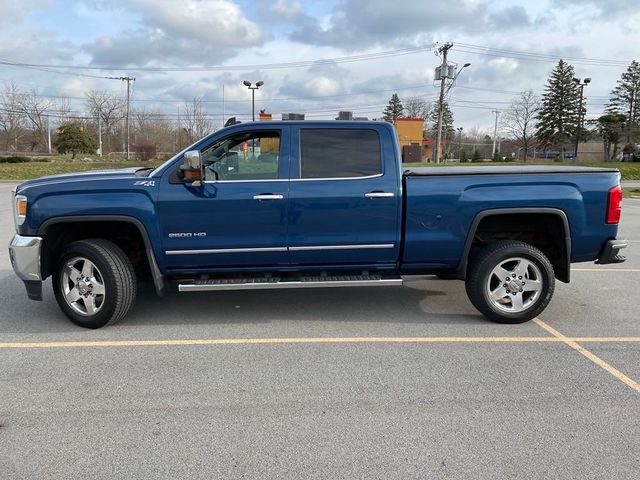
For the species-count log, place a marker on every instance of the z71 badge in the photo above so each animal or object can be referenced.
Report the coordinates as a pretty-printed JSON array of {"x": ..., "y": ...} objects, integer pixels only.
[{"x": 146, "y": 183}]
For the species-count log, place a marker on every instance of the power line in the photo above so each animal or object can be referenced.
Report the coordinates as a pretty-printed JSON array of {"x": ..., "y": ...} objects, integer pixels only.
[
  {"x": 263, "y": 66},
  {"x": 538, "y": 57}
]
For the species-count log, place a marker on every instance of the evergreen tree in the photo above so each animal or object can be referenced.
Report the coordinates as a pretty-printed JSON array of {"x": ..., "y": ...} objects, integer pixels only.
[
  {"x": 394, "y": 109},
  {"x": 447, "y": 121},
  {"x": 559, "y": 114},
  {"x": 609, "y": 127},
  {"x": 448, "y": 130},
  {"x": 72, "y": 138},
  {"x": 625, "y": 100}
]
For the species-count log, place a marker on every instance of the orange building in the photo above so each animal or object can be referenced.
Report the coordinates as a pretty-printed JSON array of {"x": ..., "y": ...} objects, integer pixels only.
[{"x": 410, "y": 135}]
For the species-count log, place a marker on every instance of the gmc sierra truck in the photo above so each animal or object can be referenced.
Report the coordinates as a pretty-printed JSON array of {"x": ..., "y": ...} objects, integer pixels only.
[{"x": 307, "y": 204}]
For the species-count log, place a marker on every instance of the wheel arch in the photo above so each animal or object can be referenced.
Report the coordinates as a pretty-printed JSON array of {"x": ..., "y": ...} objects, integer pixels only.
[
  {"x": 561, "y": 258},
  {"x": 57, "y": 224}
]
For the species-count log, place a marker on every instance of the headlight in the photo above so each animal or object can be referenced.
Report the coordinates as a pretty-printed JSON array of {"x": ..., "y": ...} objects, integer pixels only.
[{"x": 19, "y": 209}]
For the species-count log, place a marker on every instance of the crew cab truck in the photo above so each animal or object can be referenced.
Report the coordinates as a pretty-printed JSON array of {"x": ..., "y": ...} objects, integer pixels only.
[{"x": 310, "y": 204}]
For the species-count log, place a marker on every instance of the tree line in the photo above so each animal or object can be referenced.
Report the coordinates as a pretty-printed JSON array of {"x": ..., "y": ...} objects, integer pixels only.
[
  {"x": 28, "y": 120},
  {"x": 553, "y": 120}
]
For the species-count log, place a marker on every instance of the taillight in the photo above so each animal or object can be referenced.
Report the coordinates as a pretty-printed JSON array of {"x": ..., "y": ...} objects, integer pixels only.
[{"x": 614, "y": 206}]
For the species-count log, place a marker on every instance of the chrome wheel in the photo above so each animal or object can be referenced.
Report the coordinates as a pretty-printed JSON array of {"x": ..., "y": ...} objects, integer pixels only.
[
  {"x": 514, "y": 285},
  {"x": 82, "y": 286}
]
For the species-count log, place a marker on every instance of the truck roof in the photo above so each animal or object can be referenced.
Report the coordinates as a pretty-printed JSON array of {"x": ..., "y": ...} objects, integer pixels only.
[{"x": 311, "y": 123}]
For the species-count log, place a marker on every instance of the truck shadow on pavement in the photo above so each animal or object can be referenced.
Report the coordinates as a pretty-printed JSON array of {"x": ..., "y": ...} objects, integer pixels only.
[{"x": 419, "y": 301}]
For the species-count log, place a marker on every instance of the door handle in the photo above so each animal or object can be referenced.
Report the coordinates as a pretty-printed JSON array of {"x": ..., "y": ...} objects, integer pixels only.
[
  {"x": 268, "y": 196},
  {"x": 379, "y": 195}
]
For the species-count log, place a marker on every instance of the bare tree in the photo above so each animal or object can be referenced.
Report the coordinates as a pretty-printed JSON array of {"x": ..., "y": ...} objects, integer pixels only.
[
  {"x": 35, "y": 109},
  {"x": 153, "y": 127},
  {"x": 64, "y": 110},
  {"x": 194, "y": 120},
  {"x": 520, "y": 118},
  {"x": 416, "y": 107},
  {"x": 110, "y": 108},
  {"x": 12, "y": 120}
]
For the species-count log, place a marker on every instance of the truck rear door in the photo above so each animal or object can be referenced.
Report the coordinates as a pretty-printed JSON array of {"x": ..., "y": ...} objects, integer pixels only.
[{"x": 344, "y": 197}]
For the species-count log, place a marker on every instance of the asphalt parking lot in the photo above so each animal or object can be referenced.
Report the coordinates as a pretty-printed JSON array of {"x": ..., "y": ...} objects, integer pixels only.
[{"x": 406, "y": 382}]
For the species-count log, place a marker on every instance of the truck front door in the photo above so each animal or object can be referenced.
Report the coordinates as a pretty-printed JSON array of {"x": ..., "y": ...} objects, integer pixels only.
[{"x": 237, "y": 218}]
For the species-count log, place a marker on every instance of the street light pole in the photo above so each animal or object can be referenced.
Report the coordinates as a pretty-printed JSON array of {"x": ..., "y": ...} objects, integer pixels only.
[
  {"x": 253, "y": 89},
  {"x": 459, "y": 143},
  {"x": 581, "y": 84}
]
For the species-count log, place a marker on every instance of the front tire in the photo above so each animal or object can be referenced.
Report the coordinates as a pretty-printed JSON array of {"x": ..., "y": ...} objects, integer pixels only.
[
  {"x": 510, "y": 282},
  {"x": 94, "y": 284}
]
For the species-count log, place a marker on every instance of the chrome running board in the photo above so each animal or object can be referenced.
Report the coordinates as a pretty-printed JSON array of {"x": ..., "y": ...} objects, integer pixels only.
[{"x": 302, "y": 282}]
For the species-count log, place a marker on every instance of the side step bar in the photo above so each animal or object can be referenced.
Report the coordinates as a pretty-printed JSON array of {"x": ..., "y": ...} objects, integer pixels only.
[{"x": 303, "y": 282}]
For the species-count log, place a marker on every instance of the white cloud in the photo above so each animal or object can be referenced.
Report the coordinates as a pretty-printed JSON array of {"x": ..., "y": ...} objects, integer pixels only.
[{"x": 207, "y": 31}]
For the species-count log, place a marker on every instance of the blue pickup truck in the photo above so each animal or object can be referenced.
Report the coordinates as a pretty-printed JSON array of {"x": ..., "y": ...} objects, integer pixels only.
[{"x": 310, "y": 204}]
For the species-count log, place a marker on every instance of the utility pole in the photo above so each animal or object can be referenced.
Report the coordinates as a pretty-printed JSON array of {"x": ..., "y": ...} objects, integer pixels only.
[
  {"x": 128, "y": 80},
  {"x": 459, "y": 142},
  {"x": 495, "y": 133},
  {"x": 49, "y": 133},
  {"x": 223, "y": 105},
  {"x": 99, "y": 132},
  {"x": 444, "y": 50}
]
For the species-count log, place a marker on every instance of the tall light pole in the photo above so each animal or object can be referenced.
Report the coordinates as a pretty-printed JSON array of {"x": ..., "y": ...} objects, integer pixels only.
[
  {"x": 253, "y": 89},
  {"x": 581, "y": 84}
]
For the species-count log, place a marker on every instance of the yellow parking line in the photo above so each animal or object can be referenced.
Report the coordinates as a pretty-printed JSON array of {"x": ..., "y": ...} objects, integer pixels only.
[
  {"x": 249, "y": 341},
  {"x": 304, "y": 340},
  {"x": 586, "y": 353}
]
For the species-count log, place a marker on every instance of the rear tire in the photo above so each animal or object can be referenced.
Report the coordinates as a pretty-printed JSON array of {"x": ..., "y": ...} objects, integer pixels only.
[
  {"x": 94, "y": 284},
  {"x": 510, "y": 282}
]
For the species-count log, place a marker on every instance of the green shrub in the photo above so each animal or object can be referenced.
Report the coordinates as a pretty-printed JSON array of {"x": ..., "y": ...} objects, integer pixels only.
[
  {"x": 73, "y": 139},
  {"x": 40, "y": 159},
  {"x": 477, "y": 156},
  {"x": 14, "y": 159}
]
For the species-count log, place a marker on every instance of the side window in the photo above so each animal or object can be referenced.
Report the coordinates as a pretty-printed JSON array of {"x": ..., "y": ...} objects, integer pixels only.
[
  {"x": 245, "y": 156},
  {"x": 339, "y": 153}
]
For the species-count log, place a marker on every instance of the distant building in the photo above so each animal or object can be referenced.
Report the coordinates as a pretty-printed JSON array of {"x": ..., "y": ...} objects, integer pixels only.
[
  {"x": 293, "y": 116},
  {"x": 411, "y": 137},
  {"x": 265, "y": 116}
]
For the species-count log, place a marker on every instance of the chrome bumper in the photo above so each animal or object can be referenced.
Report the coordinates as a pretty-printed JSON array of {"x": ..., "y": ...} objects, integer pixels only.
[{"x": 25, "y": 257}]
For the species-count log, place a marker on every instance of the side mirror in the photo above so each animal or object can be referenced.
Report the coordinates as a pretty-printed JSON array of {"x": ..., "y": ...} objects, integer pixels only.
[{"x": 191, "y": 168}]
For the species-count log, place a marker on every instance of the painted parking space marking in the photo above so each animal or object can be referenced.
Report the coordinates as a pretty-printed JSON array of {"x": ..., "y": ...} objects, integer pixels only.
[
  {"x": 591, "y": 356},
  {"x": 627, "y": 270},
  {"x": 307, "y": 340}
]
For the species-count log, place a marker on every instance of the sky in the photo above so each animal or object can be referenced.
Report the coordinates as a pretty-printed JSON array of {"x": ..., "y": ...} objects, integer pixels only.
[{"x": 511, "y": 45}]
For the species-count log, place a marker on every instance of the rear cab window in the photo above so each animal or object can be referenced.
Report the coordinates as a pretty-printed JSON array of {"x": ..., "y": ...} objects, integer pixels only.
[{"x": 339, "y": 153}]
